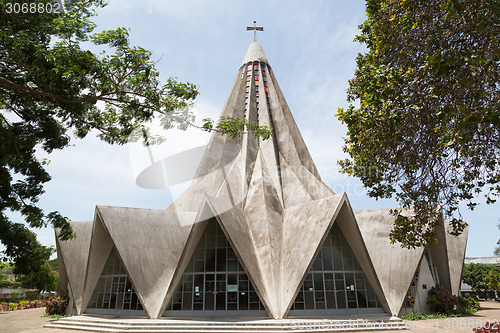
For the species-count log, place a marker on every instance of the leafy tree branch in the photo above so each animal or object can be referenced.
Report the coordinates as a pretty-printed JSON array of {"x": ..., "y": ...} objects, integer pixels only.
[
  {"x": 427, "y": 129},
  {"x": 51, "y": 85}
]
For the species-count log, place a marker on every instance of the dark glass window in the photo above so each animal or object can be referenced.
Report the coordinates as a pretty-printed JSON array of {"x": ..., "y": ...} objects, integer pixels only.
[
  {"x": 218, "y": 282},
  {"x": 114, "y": 290},
  {"x": 336, "y": 280}
]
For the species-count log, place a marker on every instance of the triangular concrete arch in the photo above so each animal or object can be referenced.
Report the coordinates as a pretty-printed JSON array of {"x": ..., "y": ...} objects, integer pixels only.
[
  {"x": 240, "y": 235},
  {"x": 456, "y": 246},
  {"x": 73, "y": 255},
  {"x": 100, "y": 247},
  {"x": 336, "y": 257},
  {"x": 195, "y": 233},
  {"x": 151, "y": 269},
  {"x": 439, "y": 256},
  {"x": 63, "y": 274},
  {"x": 350, "y": 227},
  {"x": 375, "y": 225},
  {"x": 304, "y": 231}
]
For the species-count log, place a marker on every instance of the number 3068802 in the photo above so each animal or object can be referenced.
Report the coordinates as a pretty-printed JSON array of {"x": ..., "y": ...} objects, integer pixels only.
[{"x": 32, "y": 8}]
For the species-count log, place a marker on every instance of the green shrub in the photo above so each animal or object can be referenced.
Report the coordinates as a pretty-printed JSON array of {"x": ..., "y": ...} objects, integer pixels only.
[
  {"x": 413, "y": 316},
  {"x": 441, "y": 300},
  {"x": 462, "y": 302},
  {"x": 469, "y": 304},
  {"x": 57, "y": 304},
  {"x": 32, "y": 294},
  {"x": 55, "y": 316},
  {"x": 15, "y": 296},
  {"x": 5, "y": 283},
  {"x": 424, "y": 316},
  {"x": 477, "y": 305},
  {"x": 9, "y": 284}
]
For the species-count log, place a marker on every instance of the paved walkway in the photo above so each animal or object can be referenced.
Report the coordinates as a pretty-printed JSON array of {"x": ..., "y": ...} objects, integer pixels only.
[{"x": 30, "y": 321}]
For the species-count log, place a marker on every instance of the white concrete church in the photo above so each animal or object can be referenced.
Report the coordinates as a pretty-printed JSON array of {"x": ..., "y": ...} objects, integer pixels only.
[{"x": 257, "y": 234}]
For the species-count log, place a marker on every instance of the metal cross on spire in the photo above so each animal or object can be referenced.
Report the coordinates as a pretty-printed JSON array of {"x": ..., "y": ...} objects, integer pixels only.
[{"x": 255, "y": 28}]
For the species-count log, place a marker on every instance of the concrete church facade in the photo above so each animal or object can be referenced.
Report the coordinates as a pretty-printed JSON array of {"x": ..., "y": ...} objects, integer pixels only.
[{"x": 257, "y": 234}]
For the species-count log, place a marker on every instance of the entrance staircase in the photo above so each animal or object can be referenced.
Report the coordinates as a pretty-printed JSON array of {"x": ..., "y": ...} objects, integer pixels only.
[{"x": 241, "y": 325}]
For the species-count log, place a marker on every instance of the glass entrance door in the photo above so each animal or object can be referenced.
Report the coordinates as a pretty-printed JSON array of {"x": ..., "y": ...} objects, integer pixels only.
[{"x": 214, "y": 282}]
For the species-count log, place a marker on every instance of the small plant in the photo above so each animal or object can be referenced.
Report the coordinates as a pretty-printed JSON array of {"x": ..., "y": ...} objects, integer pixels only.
[
  {"x": 15, "y": 296},
  {"x": 12, "y": 306},
  {"x": 9, "y": 284},
  {"x": 55, "y": 316},
  {"x": 413, "y": 316},
  {"x": 441, "y": 300},
  {"x": 32, "y": 294},
  {"x": 469, "y": 304},
  {"x": 422, "y": 316},
  {"x": 56, "y": 305}
]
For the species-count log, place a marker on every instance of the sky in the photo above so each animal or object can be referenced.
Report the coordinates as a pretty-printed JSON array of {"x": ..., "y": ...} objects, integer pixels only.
[{"x": 310, "y": 47}]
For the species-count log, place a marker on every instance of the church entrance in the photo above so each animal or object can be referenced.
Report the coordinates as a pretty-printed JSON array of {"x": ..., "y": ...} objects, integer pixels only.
[
  {"x": 114, "y": 292},
  {"x": 214, "y": 282},
  {"x": 336, "y": 283}
]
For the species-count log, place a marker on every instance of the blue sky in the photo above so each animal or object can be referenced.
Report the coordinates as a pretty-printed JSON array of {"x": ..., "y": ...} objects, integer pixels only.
[{"x": 311, "y": 50}]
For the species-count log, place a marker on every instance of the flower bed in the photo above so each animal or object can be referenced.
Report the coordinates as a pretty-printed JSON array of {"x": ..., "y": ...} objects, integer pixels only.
[
  {"x": 22, "y": 305},
  {"x": 488, "y": 328}
]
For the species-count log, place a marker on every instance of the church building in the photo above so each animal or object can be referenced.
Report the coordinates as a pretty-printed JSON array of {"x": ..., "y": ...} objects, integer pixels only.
[{"x": 256, "y": 234}]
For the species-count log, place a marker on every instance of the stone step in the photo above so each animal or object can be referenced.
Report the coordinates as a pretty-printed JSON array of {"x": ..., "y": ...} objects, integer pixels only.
[
  {"x": 212, "y": 330},
  {"x": 185, "y": 326}
]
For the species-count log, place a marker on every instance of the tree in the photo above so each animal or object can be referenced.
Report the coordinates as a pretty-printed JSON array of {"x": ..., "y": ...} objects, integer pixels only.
[
  {"x": 51, "y": 85},
  {"x": 3, "y": 271},
  {"x": 54, "y": 264},
  {"x": 31, "y": 258},
  {"x": 43, "y": 279},
  {"x": 427, "y": 128},
  {"x": 475, "y": 274},
  {"x": 492, "y": 279}
]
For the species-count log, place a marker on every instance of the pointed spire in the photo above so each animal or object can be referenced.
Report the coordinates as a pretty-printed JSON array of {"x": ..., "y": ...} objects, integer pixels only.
[{"x": 255, "y": 53}]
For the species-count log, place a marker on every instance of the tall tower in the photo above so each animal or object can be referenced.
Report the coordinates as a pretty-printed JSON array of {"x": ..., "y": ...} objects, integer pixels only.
[
  {"x": 283, "y": 162},
  {"x": 266, "y": 195}
]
